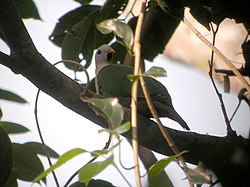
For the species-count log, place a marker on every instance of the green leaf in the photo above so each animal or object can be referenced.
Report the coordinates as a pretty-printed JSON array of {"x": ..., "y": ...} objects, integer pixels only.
[
  {"x": 6, "y": 156},
  {"x": 123, "y": 128},
  {"x": 27, "y": 9},
  {"x": 110, "y": 109},
  {"x": 120, "y": 29},
  {"x": 159, "y": 166},
  {"x": 10, "y": 96},
  {"x": 92, "y": 169},
  {"x": 62, "y": 159},
  {"x": 26, "y": 165},
  {"x": 67, "y": 21},
  {"x": 73, "y": 42},
  {"x": 13, "y": 128},
  {"x": 38, "y": 148},
  {"x": 156, "y": 72}
]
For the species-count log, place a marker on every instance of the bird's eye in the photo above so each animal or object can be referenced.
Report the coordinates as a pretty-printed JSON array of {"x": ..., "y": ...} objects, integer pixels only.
[{"x": 99, "y": 51}]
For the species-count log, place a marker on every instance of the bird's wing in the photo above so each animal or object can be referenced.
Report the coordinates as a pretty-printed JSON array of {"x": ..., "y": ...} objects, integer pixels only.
[{"x": 113, "y": 80}]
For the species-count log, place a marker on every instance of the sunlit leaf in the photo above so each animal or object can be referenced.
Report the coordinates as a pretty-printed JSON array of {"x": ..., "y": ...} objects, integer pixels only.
[
  {"x": 159, "y": 166},
  {"x": 199, "y": 175},
  {"x": 6, "y": 156},
  {"x": 120, "y": 29},
  {"x": 110, "y": 109},
  {"x": 13, "y": 128},
  {"x": 118, "y": 130},
  {"x": 10, "y": 96},
  {"x": 62, "y": 160},
  {"x": 156, "y": 72},
  {"x": 92, "y": 169},
  {"x": 123, "y": 128}
]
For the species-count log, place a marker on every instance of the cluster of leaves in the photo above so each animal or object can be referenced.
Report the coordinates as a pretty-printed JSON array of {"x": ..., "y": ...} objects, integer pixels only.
[
  {"x": 77, "y": 35},
  {"x": 15, "y": 157}
]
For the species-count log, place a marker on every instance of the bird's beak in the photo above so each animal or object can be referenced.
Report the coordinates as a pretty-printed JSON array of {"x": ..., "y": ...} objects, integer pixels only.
[{"x": 111, "y": 51}]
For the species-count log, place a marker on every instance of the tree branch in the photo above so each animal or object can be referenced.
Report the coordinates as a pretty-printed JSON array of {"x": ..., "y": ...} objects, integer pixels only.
[{"x": 217, "y": 153}]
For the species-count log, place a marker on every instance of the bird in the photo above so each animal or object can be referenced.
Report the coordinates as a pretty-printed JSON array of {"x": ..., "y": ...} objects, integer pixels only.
[{"x": 112, "y": 81}]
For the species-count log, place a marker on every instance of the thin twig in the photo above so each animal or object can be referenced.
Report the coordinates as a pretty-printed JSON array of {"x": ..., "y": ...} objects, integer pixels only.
[
  {"x": 218, "y": 53},
  {"x": 120, "y": 158},
  {"x": 165, "y": 134},
  {"x": 42, "y": 140},
  {"x": 236, "y": 109},
  {"x": 137, "y": 52},
  {"x": 223, "y": 108},
  {"x": 36, "y": 116}
]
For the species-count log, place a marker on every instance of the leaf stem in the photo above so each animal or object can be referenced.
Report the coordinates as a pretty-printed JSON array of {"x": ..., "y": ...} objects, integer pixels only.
[{"x": 223, "y": 108}]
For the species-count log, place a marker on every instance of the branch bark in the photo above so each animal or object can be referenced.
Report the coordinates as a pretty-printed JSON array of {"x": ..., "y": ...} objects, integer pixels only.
[{"x": 228, "y": 158}]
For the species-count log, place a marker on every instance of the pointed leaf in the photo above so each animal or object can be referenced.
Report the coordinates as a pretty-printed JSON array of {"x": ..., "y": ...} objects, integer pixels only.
[
  {"x": 27, "y": 9},
  {"x": 67, "y": 21},
  {"x": 39, "y": 149},
  {"x": 159, "y": 166},
  {"x": 92, "y": 169},
  {"x": 13, "y": 128},
  {"x": 156, "y": 72},
  {"x": 120, "y": 29},
  {"x": 110, "y": 109},
  {"x": 10, "y": 96},
  {"x": 26, "y": 165},
  {"x": 62, "y": 160},
  {"x": 73, "y": 42}
]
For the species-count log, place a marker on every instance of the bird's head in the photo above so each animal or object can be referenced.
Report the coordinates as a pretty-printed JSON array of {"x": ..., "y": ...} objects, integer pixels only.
[{"x": 103, "y": 57}]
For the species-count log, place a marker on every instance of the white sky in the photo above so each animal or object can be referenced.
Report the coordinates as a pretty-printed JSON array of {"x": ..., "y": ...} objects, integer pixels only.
[{"x": 191, "y": 91}]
